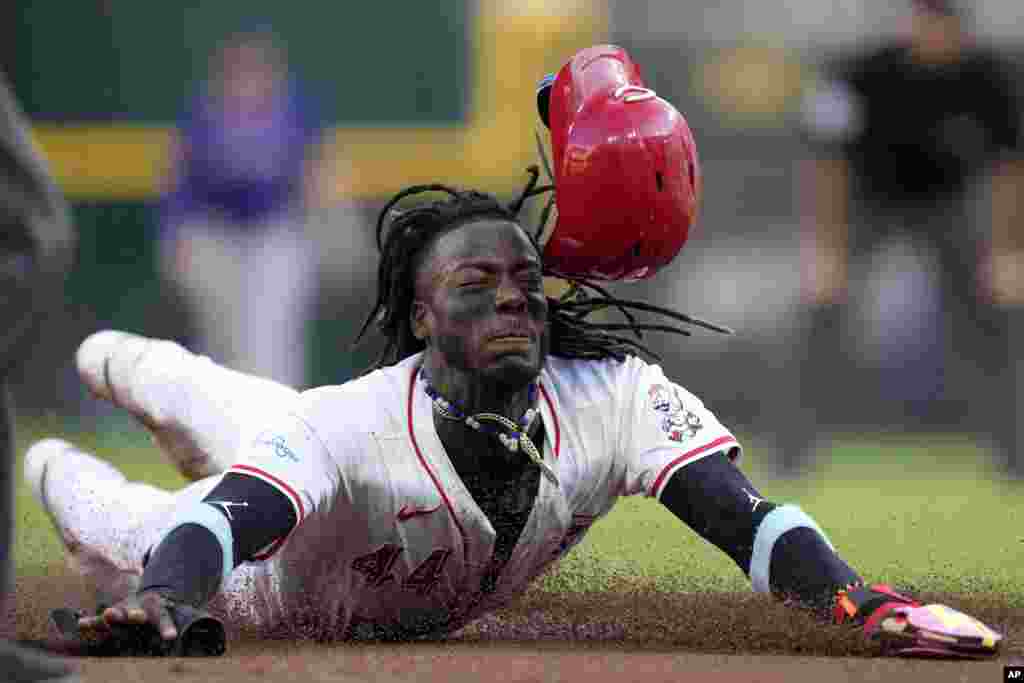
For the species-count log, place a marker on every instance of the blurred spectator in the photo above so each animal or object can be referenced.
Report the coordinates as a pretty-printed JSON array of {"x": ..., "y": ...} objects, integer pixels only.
[
  {"x": 901, "y": 131},
  {"x": 244, "y": 173}
]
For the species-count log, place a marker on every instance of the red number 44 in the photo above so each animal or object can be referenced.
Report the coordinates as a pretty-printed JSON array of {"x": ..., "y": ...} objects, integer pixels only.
[{"x": 376, "y": 567}]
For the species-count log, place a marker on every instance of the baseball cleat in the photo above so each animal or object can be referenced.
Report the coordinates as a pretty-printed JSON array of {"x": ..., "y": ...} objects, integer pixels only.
[
  {"x": 52, "y": 460},
  {"x": 70, "y": 485},
  {"x": 107, "y": 361},
  {"x": 122, "y": 368}
]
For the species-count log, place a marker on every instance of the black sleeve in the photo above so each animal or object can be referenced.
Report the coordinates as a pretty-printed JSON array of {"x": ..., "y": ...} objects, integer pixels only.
[
  {"x": 714, "y": 498},
  {"x": 187, "y": 564},
  {"x": 261, "y": 517}
]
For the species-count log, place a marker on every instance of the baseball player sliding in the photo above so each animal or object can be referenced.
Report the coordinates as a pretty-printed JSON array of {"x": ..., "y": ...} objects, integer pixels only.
[{"x": 497, "y": 427}]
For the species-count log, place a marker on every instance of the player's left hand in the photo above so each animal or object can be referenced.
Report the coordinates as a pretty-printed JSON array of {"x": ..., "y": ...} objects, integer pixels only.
[
  {"x": 906, "y": 628},
  {"x": 934, "y": 631}
]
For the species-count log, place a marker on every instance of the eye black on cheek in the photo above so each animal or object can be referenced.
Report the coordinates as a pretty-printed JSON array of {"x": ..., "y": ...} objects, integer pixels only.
[
  {"x": 538, "y": 304},
  {"x": 470, "y": 305}
]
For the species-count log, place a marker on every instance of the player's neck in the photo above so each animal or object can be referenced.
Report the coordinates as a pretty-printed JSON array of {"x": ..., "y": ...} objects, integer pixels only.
[
  {"x": 474, "y": 393},
  {"x": 473, "y": 452},
  {"x": 468, "y": 448}
]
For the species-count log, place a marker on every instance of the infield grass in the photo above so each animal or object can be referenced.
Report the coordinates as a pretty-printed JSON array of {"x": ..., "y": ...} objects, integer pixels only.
[{"x": 923, "y": 513}]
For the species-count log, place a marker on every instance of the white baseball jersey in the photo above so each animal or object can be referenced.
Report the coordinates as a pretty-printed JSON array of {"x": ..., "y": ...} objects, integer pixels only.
[{"x": 389, "y": 535}]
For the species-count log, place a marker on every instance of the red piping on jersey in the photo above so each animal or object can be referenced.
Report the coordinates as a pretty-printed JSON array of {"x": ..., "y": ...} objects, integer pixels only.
[
  {"x": 271, "y": 549},
  {"x": 722, "y": 440},
  {"x": 280, "y": 484},
  {"x": 423, "y": 461},
  {"x": 551, "y": 407}
]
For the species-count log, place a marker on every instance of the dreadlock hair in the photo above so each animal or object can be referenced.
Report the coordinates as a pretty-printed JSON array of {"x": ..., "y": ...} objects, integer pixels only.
[{"x": 404, "y": 239}]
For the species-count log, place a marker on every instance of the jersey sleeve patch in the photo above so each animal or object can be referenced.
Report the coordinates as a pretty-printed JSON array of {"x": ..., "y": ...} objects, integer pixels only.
[
  {"x": 291, "y": 457},
  {"x": 664, "y": 427},
  {"x": 679, "y": 423}
]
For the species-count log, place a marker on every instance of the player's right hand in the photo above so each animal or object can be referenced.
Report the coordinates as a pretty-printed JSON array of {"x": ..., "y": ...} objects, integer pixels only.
[
  {"x": 144, "y": 625},
  {"x": 148, "y": 607}
]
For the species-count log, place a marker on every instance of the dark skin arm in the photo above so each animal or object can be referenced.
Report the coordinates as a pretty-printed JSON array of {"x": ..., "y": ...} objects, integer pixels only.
[
  {"x": 714, "y": 498},
  {"x": 187, "y": 565}
]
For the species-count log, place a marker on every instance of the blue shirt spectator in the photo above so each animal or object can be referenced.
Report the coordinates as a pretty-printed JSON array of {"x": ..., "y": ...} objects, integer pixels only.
[
  {"x": 245, "y": 140},
  {"x": 244, "y": 171}
]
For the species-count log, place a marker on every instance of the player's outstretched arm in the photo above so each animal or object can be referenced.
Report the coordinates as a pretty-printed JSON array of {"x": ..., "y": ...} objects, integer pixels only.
[
  {"x": 779, "y": 547},
  {"x": 247, "y": 516},
  {"x": 166, "y": 615},
  {"x": 242, "y": 519},
  {"x": 784, "y": 552}
]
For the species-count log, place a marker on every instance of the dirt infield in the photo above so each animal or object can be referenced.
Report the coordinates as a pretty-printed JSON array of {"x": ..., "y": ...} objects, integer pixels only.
[{"x": 626, "y": 635}]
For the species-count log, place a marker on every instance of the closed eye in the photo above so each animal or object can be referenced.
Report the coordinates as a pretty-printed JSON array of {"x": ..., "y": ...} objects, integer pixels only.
[
  {"x": 474, "y": 285},
  {"x": 473, "y": 280}
]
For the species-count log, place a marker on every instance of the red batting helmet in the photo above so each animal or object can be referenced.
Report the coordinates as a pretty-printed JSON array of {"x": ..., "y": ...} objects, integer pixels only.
[{"x": 627, "y": 177}]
